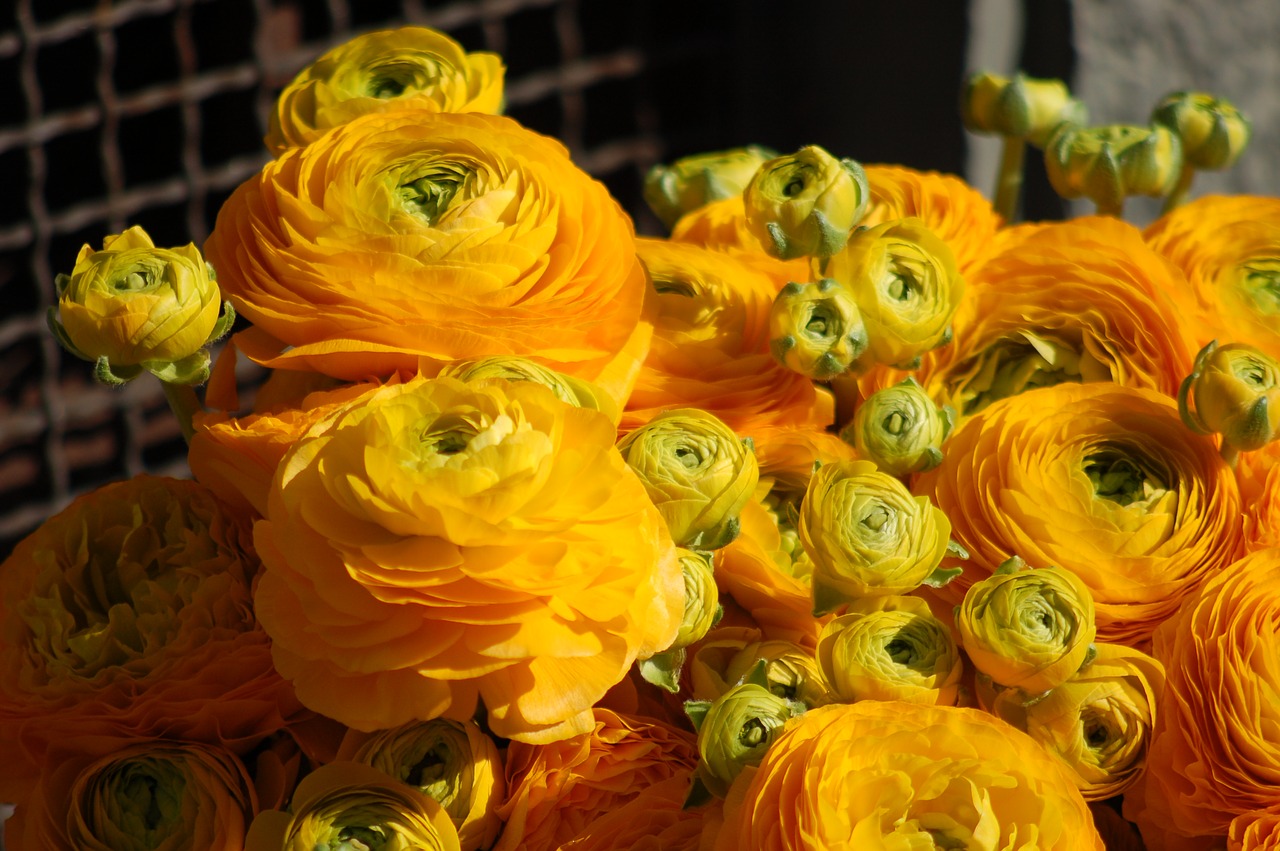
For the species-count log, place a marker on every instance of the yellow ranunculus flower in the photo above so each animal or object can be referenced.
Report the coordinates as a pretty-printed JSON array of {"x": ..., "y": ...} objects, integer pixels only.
[
  {"x": 900, "y": 428},
  {"x": 1022, "y": 107},
  {"x": 1107, "y": 164},
  {"x": 907, "y": 285},
  {"x": 568, "y": 388},
  {"x": 132, "y": 306},
  {"x": 816, "y": 329},
  {"x": 351, "y": 805},
  {"x": 435, "y": 543},
  {"x": 867, "y": 535},
  {"x": 691, "y": 182},
  {"x": 1213, "y": 132},
  {"x": 1099, "y": 722},
  {"x": 1236, "y": 390},
  {"x": 805, "y": 204},
  {"x": 411, "y": 67},
  {"x": 701, "y": 598},
  {"x": 890, "y": 648},
  {"x": 452, "y": 761},
  {"x": 891, "y": 775},
  {"x": 735, "y": 730},
  {"x": 729, "y": 654},
  {"x": 696, "y": 471},
  {"x": 404, "y": 241},
  {"x": 1028, "y": 629}
]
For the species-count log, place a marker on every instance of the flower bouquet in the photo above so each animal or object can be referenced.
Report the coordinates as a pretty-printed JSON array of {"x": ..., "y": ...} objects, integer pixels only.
[{"x": 853, "y": 514}]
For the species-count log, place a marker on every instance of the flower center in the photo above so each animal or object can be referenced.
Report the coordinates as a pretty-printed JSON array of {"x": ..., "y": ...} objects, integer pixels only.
[
  {"x": 1124, "y": 480},
  {"x": 1260, "y": 281},
  {"x": 434, "y": 188}
]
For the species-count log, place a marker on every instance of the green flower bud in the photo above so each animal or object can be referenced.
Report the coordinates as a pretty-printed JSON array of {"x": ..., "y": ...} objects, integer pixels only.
[
  {"x": 568, "y": 388},
  {"x": 133, "y": 307},
  {"x": 890, "y": 648},
  {"x": 696, "y": 471},
  {"x": 451, "y": 761},
  {"x": 695, "y": 181},
  {"x": 900, "y": 429},
  {"x": 1108, "y": 164},
  {"x": 701, "y": 597},
  {"x": 735, "y": 731},
  {"x": 1022, "y": 107},
  {"x": 805, "y": 204},
  {"x": 729, "y": 655},
  {"x": 1234, "y": 388},
  {"x": 1213, "y": 132},
  {"x": 1028, "y": 629},
  {"x": 816, "y": 329},
  {"x": 867, "y": 535}
]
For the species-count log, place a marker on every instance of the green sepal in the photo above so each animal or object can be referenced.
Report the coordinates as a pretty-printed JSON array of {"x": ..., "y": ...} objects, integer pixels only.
[
  {"x": 955, "y": 550},
  {"x": 757, "y": 676},
  {"x": 105, "y": 373},
  {"x": 948, "y": 415},
  {"x": 699, "y": 794},
  {"x": 1013, "y": 564},
  {"x": 914, "y": 363},
  {"x": 941, "y": 576},
  {"x": 191, "y": 370},
  {"x": 60, "y": 282},
  {"x": 1190, "y": 418},
  {"x": 60, "y": 334},
  {"x": 781, "y": 247},
  {"x": 224, "y": 323},
  {"x": 932, "y": 458},
  {"x": 663, "y": 669},
  {"x": 831, "y": 239},
  {"x": 697, "y": 712},
  {"x": 1090, "y": 655},
  {"x": 826, "y": 599},
  {"x": 750, "y": 443}
]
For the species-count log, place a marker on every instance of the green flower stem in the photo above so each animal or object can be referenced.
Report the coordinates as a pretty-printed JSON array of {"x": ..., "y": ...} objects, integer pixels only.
[
  {"x": 1229, "y": 453},
  {"x": 185, "y": 404},
  {"x": 1009, "y": 180},
  {"x": 1115, "y": 210},
  {"x": 1181, "y": 189}
]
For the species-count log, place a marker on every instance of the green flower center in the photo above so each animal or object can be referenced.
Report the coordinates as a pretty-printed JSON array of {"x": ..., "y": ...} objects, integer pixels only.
[
  {"x": 1025, "y": 362},
  {"x": 358, "y": 838},
  {"x": 753, "y": 734},
  {"x": 429, "y": 194},
  {"x": 1124, "y": 480},
  {"x": 392, "y": 79},
  {"x": 896, "y": 423},
  {"x": 1260, "y": 281}
]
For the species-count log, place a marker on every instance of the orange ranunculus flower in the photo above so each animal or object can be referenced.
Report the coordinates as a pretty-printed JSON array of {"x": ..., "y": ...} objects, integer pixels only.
[
  {"x": 410, "y": 67},
  {"x": 416, "y": 238},
  {"x": 1215, "y": 754},
  {"x": 710, "y": 345},
  {"x": 352, "y": 805},
  {"x": 1257, "y": 831},
  {"x": 1229, "y": 249},
  {"x": 1073, "y": 302},
  {"x": 895, "y": 775},
  {"x": 1259, "y": 476},
  {"x": 655, "y": 820},
  {"x": 722, "y": 225},
  {"x": 129, "y": 614},
  {"x": 134, "y": 795},
  {"x": 556, "y": 791},
  {"x": 452, "y": 761},
  {"x": 1102, "y": 480},
  {"x": 948, "y": 206},
  {"x": 434, "y": 542}
]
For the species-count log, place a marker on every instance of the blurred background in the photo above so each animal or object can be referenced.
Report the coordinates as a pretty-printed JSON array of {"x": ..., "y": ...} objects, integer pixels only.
[{"x": 151, "y": 112}]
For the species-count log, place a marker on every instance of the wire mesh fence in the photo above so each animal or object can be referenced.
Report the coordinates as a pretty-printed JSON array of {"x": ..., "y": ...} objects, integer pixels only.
[{"x": 151, "y": 112}]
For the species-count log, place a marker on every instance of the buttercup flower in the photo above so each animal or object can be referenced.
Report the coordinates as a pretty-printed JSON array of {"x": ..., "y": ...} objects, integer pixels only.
[
  {"x": 1107, "y": 164},
  {"x": 434, "y": 542},
  {"x": 557, "y": 791},
  {"x": 696, "y": 471},
  {"x": 567, "y": 388},
  {"x": 411, "y": 67},
  {"x": 132, "y": 307},
  {"x": 1099, "y": 722},
  {"x": 890, "y": 648},
  {"x": 1022, "y": 107},
  {"x": 894, "y": 775},
  {"x": 1214, "y": 756},
  {"x": 805, "y": 204},
  {"x": 907, "y": 285},
  {"x": 141, "y": 795},
  {"x": 691, "y": 182},
  {"x": 452, "y": 761},
  {"x": 351, "y": 805},
  {"x": 128, "y": 615},
  {"x": 867, "y": 535},
  {"x": 1028, "y": 629},
  {"x": 736, "y": 729},
  {"x": 710, "y": 344},
  {"x": 1213, "y": 132},
  {"x": 816, "y": 329},
  {"x": 413, "y": 239},
  {"x": 729, "y": 654},
  {"x": 900, "y": 428},
  {"x": 1101, "y": 480},
  {"x": 1235, "y": 389},
  {"x": 701, "y": 599}
]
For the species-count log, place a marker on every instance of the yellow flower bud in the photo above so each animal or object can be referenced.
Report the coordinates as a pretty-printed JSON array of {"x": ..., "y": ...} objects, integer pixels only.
[
  {"x": 806, "y": 203},
  {"x": 735, "y": 730},
  {"x": 1099, "y": 722},
  {"x": 568, "y": 388},
  {"x": 890, "y": 648},
  {"x": 816, "y": 329},
  {"x": 900, "y": 429},
  {"x": 1027, "y": 629},
  {"x": 907, "y": 285},
  {"x": 1023, "y": 107},
  {"x": 692, "y": 182},
  {"x": 730, "y": 654},
  {"x": 132, "y": 307},
  {"x": 867, "y": 535},
  {"x": 696, "y": 471},
  {"x": 701, "y": 597},
  {"x": 1234, "y": 388},
  {"x": 1108, "y": 164},
  {"x": 1213, "y": 132}
]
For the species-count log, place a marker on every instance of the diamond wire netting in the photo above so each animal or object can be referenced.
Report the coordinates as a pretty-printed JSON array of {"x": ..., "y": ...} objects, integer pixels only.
[{"x": 151, "y": 112}]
